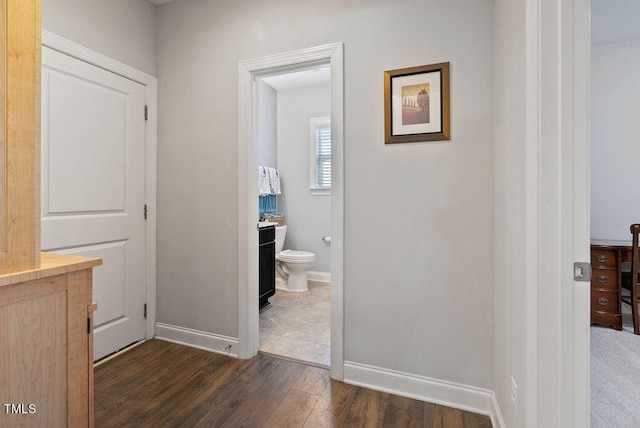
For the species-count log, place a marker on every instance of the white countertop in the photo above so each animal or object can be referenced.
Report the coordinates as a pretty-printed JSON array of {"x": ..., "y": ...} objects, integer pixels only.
[{"x": 266, "y": 223}]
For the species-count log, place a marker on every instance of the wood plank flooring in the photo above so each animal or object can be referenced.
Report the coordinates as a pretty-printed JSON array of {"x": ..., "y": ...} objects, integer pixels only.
[{"x": 162, "y": 384}]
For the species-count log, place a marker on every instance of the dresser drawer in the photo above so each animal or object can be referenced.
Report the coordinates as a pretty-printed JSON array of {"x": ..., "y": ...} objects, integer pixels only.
[
  {"x": 605, "y": 301},
  {"x": 604, "y": 278},
  {"x": 604, "y": 258}
]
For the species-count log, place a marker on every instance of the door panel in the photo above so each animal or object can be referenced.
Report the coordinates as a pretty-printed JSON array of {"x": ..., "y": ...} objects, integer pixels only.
[
  {"x": 100, "y": 159},
  {"x": 93, "y": 140}
]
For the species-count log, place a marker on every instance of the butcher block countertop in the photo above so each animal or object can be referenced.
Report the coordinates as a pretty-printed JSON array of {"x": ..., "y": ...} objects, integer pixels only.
[{"x": 50, "y": 265}]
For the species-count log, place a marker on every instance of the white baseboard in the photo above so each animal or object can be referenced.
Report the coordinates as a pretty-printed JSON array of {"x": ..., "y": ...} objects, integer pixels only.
[
  {"x": 497, "y": 420},
  {"x": 198, "y": 339},
  {"x": 459, "y": 396},
  {"x": 319, "y": 276}
]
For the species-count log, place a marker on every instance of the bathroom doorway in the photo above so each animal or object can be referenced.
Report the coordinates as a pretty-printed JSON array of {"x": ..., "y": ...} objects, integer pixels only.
[
  {"x": 251, "y": 72},
  {"x": 294, "y": 138}
]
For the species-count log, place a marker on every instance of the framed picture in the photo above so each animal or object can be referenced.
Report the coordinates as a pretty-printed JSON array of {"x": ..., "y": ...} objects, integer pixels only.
[{"x": 416, "y": 104}]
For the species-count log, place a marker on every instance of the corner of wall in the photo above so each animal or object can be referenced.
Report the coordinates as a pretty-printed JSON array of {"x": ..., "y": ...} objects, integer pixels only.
[{"x": 464, "y": 397}]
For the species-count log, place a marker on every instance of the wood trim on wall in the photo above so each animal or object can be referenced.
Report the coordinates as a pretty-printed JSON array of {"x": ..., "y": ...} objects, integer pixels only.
[{"x": 22, "y": 167}]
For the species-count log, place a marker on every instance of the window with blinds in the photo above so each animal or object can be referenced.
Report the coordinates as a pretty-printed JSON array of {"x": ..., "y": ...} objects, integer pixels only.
[
  {"x": 323, "y": 156},
  {"x": 320, "y": 150}
]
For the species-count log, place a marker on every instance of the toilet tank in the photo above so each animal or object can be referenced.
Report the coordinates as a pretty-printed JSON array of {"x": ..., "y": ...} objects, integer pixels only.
[{"x": 281, "y": 232}]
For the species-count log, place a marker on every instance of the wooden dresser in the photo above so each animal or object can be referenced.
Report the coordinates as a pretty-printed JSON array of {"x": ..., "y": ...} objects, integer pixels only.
[{"x": 606, "y": 259}]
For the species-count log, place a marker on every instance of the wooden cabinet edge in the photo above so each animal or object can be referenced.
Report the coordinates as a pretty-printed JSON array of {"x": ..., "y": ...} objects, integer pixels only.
[{"x": 51, "y": 264}]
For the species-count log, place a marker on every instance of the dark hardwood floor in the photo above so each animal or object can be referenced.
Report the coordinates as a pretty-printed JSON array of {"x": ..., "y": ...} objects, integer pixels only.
[{"x": 161, "y": 384}]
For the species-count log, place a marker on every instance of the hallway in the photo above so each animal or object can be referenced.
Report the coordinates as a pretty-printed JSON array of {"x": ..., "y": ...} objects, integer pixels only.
[{"x": 164, "y": 384}]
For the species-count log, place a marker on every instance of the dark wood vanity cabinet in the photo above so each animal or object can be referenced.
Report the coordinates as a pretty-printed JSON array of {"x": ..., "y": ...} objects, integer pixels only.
[{"x": 267, "y": 264}]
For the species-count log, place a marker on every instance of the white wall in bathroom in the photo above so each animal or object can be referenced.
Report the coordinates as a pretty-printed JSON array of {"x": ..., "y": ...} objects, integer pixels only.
[
  {"x": 308, "y": 217},
  {"x": 267, "y": 124},
  {"x": 418, "y": 278},
  {"x": 122, "y": 30}
]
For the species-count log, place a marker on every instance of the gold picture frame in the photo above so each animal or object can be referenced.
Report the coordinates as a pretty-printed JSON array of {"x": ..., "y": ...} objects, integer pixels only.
[{"x": 417, "y": 104}]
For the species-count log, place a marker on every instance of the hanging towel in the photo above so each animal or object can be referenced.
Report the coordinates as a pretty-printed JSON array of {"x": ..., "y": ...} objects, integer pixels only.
[
  {"x": 274, "y": 181},
  {"x": 264, "y": 188}
]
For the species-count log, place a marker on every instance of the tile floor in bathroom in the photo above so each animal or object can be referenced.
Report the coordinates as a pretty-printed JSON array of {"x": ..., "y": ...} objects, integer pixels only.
[{"x": 298, "y": 325}]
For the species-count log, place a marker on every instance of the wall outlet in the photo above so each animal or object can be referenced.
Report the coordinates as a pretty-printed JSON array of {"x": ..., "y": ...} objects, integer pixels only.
[{"x": 514, "y": 397}]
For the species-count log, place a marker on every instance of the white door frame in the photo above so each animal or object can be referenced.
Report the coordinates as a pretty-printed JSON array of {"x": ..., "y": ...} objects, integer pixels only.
[
  {"x": 558, "y": 55},
  {"x": 248, "y": 323},
  {"x": 576, "y": 308},
  {"x": 82, "y": 53}
]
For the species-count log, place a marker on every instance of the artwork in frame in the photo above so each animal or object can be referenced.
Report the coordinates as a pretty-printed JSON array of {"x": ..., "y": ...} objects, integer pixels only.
[{"x": 416, "y": 104}]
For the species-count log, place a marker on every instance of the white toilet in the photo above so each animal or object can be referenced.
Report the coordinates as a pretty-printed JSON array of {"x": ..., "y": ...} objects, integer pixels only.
[{"x": 291, "y": 266}]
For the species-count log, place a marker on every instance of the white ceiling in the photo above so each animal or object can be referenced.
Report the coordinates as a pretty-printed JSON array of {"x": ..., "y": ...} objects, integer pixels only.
[
  {"x": 614, "y": 20},
  {"x": 311, "y": 77},
  {"x": 159, "y": 2}
]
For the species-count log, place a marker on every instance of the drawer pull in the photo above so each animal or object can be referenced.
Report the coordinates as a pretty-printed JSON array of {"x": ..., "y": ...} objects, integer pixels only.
[
  {"x": 603, "y": 278},
  {"x": 603, "y": 258},
  {"x": 603, "y": 301}
]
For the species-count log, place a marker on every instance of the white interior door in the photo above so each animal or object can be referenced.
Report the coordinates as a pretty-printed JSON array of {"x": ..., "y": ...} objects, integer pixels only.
[{"x": 93, "y": 187}]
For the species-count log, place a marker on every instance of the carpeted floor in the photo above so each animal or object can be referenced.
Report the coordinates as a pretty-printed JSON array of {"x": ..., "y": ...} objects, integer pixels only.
[{"x": 615, "y": 375}]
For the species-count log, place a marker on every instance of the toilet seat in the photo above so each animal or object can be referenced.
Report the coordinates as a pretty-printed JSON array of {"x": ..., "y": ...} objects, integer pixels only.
[{"x": 293, "y": 256}]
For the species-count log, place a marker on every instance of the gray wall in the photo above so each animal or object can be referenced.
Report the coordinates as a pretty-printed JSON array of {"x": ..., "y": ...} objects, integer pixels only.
[
  {"x": 308, "y": 217},
  {"x": 124, "y": 30},
  {"x": 411, "y": 302},
  {"x": 615, "y": 176},
  {"x": 418, "y": 217},
  {"x": 267, "y": 125}
]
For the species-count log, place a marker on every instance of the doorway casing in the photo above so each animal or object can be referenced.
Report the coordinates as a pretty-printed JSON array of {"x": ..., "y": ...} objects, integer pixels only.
[
  {"x": 248, "y": 71},
  {"x": 557, "y": 174}
]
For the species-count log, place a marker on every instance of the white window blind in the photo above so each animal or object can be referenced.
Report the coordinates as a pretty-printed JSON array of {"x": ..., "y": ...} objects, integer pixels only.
[
  {"x": 320, "y": 155},
  {"x": 323, "y": 156}
]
